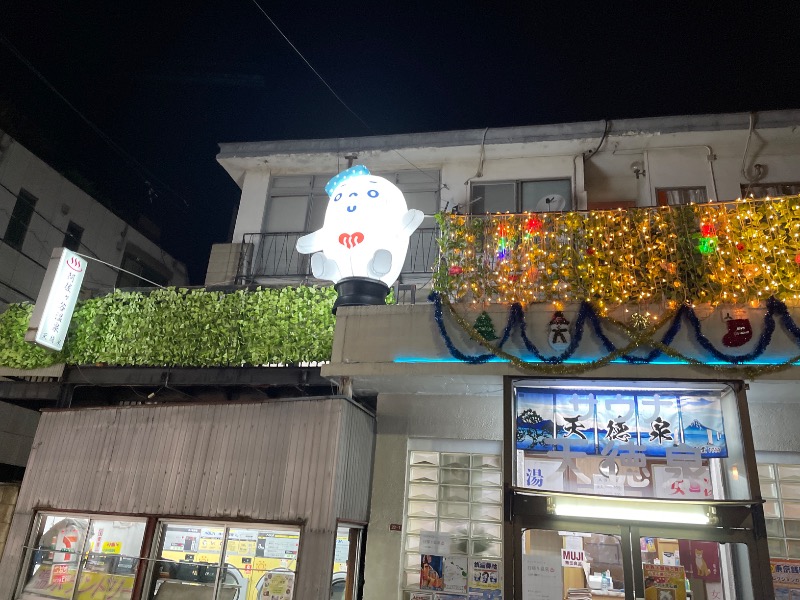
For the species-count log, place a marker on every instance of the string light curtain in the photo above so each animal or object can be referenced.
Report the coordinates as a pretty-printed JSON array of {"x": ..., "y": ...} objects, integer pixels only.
[{"x": 737, "y": 253}]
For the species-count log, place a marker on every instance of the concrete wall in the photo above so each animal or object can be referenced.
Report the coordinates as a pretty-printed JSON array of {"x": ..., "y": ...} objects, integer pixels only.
[
  {"x": 223, "y": 263},
  {"x": 250, "y": 217},
  {"x": 17, "y": 429},
  {"x": 8, "y": 500},
  {"x": 59, "y": 202},
  {"x": 774, "y": 408},
  {"x": 404, "y": 341},
  {"x": 453, "y": 402},
  {"x": 465, "y": 420},
  {"x": 702, "y": 151}
]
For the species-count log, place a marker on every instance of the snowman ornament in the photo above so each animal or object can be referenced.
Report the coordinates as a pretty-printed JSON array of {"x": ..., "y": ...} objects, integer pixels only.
[{"x": 364, "y": 239}]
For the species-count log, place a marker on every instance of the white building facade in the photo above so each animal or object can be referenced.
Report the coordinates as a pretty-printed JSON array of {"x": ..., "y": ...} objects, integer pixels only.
[
  {"x": 446, "y": 465},
  {"x": 41, "y": 210}
]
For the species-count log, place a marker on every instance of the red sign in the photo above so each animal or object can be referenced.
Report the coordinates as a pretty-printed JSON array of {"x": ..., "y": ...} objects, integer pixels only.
[{"x": 395, "y": 527}]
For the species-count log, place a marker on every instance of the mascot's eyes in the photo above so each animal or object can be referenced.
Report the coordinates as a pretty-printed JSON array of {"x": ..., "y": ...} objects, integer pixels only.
[
  {"x": 372, "y": 193},
  {"x": 338, "y": 196}
]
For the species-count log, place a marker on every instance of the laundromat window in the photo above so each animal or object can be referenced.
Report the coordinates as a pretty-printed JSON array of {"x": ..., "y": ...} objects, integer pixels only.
[
  {"x": 224, "y": 561},
  {"x": 74, "y": 556}
]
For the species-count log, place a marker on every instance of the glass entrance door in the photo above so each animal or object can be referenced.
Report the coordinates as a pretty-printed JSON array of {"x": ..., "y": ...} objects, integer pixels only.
[{"x": 597, "y": 561}]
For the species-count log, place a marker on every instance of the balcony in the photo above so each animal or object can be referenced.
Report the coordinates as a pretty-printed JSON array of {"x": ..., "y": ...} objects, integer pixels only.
[
  {"x": 733, "y": 253},
  {"x": 271, "y": 259}
]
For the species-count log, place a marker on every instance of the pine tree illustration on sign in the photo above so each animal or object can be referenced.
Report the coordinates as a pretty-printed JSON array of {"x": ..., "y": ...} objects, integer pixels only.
[{"x": 485, "y": 327}]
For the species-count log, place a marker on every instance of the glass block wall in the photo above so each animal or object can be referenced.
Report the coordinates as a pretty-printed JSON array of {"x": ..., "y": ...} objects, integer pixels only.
[
  {"x": 780, "y": 487},
  {"x": 455, "y": 493}
]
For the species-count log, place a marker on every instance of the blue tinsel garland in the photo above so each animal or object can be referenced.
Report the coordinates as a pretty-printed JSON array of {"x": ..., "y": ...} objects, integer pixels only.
[{"x": 516, "y": 317}]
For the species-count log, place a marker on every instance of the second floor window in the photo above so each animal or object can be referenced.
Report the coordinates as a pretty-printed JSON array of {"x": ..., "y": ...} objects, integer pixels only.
[
  {"x": 681, "y": 195},
  {"x": 773, "y": 190},
  {"x": 20, "y": 219},
  {"x": 137, "y": 263},
  {"x": 543, "y": 195},
  {"x": 297, "y": 203},
  {"x": 72, "y": 237}
]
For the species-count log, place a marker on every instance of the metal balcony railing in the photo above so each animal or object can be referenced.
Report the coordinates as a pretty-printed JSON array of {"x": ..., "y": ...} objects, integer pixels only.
[{"x": 273, "y": 258}]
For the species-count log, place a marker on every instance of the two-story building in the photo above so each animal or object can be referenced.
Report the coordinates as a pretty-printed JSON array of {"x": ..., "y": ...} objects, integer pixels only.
[
  {"x": 452, "y": 457},
  {"x": 597, "y": 399}
]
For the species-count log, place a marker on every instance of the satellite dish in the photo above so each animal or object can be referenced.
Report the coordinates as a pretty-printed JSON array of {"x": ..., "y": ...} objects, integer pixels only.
[{"x": 551, "y": 203}]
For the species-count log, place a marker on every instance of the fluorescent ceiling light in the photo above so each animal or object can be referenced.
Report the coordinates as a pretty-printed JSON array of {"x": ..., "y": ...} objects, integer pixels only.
[{"x": 693, "y": 514}]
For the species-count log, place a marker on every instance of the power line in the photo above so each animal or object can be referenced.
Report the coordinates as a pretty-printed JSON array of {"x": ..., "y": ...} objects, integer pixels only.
[
  {"x": 310, "y": 66},
  {"x": 119, "y": 269},
  {"x": 141, "y": 170},
  {"x": 45, "y": 219},
  {"x": 332, "y": 91},
  {"x": 81, "y": 243}
]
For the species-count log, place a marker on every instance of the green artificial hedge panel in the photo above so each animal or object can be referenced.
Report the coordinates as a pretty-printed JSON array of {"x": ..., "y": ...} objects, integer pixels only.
[{"x": 180, "y": 327}]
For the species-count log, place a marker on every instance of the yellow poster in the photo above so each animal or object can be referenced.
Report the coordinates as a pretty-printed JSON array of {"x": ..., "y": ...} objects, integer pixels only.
[
  {"x": 664, "y": 582},
  {"x": 112, "y": 547},
  {"x": 278, "y": 586},
  {"x": 92, "y": 586}
]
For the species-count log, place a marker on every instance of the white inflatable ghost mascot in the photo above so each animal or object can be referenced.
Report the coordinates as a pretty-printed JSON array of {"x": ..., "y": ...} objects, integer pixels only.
[{"x": 366, "y": 229}]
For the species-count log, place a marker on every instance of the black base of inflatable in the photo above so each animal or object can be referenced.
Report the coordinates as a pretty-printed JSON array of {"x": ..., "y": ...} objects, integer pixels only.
[{"x": 359, "y": 291}]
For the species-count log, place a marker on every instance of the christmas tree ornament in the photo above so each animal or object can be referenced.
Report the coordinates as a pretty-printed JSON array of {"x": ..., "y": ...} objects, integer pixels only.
[
  {"x": 559, "y": 336},
  {"x": 533, "y": 225},
  {"x": 740, "y": 331},
  {"x": 707, "y": 245},
  {"x": 455, "y": 270},
  {"x": 708, "y": 230},
  {"x": 485, "y": 327}
]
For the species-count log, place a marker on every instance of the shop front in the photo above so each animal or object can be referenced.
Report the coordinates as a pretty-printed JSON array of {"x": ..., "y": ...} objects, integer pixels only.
[
  {"x": 627, "y": 489},
  {"x": 250, "y": 501}
]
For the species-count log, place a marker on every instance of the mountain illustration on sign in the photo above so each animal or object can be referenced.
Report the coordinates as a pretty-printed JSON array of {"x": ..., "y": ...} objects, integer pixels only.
[{"x": 710, "y": 440}]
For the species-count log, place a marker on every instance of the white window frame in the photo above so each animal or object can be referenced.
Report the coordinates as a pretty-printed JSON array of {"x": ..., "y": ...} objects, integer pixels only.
[{"x": 474, "y": 203}]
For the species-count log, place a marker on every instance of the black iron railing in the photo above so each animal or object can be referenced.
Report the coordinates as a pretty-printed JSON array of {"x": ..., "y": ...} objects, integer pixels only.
[{"x": 274, "y": 256}]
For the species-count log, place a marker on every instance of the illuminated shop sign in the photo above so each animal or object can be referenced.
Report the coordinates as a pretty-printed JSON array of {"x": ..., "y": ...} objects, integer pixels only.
[
  {"x": 590, "y": 423},
  {"x": 56, "y": 301}
]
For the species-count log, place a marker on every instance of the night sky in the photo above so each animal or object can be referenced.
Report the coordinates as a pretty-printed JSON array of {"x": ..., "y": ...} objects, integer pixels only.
[{"x": 163, "y": 83}]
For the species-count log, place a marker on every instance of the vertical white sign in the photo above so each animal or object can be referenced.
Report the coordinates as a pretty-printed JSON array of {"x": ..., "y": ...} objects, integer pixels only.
[
  {"x": 56, "y": 301},
  {"x": 542, "y": 577}
]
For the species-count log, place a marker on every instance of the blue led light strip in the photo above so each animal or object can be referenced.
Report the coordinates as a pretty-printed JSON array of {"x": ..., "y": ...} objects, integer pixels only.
[{"x": 587, "y": 314}]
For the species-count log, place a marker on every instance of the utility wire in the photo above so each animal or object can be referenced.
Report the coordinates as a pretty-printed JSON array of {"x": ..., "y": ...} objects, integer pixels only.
[
  {"x": 332, "y": 91},
  {"x": 310, "y": 66},
  {"x": 57, "y": 228},
  {"x": 119, "y": 269},
  {"x": 45, "y": 219},
  {"x": 141, "y": 170},
  {"x": 13, "y": 289}
]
